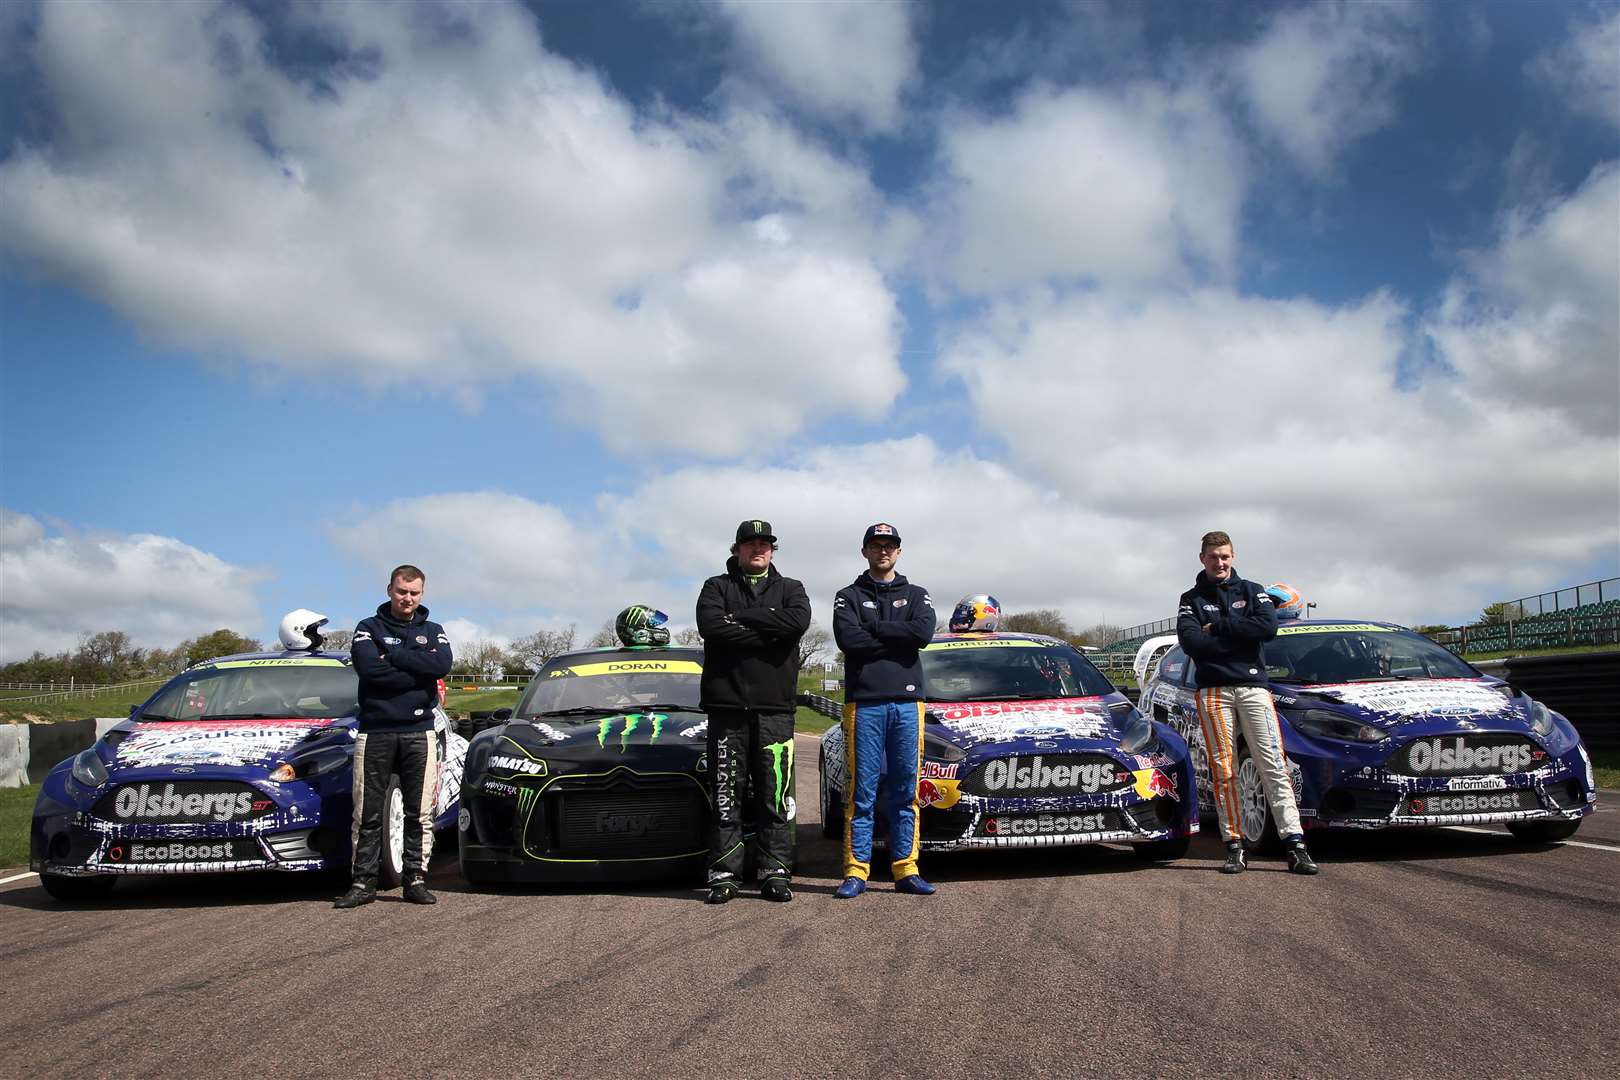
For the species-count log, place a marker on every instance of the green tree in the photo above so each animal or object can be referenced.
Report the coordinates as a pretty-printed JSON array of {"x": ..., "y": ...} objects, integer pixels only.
[
  {"x": 220, "y": 643},
  {"x": 1498, "y": 613},
  {"x": 1048, "y": 621}
]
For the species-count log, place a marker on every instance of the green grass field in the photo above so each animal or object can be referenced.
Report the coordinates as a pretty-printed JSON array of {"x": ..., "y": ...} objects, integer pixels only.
[{"x": 16, "y": 807}]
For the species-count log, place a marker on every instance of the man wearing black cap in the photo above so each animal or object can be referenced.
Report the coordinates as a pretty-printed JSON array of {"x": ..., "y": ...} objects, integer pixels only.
[
  {"x": 751, "y": 619},
  {"x": 881, "y": 623}
]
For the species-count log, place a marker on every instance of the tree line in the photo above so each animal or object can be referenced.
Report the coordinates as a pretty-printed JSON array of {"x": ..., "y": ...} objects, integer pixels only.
[{"x": 111, "y": 657}]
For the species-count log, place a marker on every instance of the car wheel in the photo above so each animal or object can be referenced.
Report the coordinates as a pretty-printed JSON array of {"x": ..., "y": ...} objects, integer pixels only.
[
  {"x": 1543, "y": 832},
  {"x": 832, "y": 809},
  {"x": 1254, "y": 813},
  {"x": 1163, "y": 850},
  {"x": 76, "y": 890},
  {"x": 391, "y": 868}
]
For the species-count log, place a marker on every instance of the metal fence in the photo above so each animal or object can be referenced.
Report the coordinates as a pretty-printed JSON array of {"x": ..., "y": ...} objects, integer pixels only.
[
  {"x": 1593, "y": 592},
  {"x": 74, "y": 692},
  {"x": 1163, "y": 626}
]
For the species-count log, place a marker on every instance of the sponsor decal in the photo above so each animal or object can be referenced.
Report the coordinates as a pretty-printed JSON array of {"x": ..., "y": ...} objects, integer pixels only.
[
  {"x": 934, "y": 770},
  {"x": 1459, "y": 698},
  {"x": 627, "y": 667},
  {"x": 1455, "y": 755},
  {"x": 146, "y": 803},
  {"x": 604, "y": 727},
  {"x": 629, "y": 823},
  {"x": 1045, "y": 825},
  {"x": 900, "y": 602},
  {"x": 421, "y": 640},
  {"x": 696, "y": 731},
  {"x": 983, "y": 643},
  {"x": 211, "y": 742},
  {"x": 869, "y": 603},
  {"x": 939, "y": 792},
  {"x": 292, "y": 662},
  {"x": 1500, "y": 802},
  {"x": 464, "y": 819},
  {"x": 1151, "y": 783},
  {"x": 1476, "y": 783},
  {"x": 497, "y": 787},
  {"x": 781, "y": 769},
  {"x": 1040, "y": 774},
  {"x": 992, "y": 721},
  {"x": 512, "y": 764},
  {"x": 1334, "y": 628},
  {"x": 1240, "y": 603},
  {"x": 176, "y": 851},
  {"x": 554, "y": 734}
]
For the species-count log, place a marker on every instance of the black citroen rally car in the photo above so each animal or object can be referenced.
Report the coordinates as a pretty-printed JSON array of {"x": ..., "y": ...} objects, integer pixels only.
[{"x": 598, "y": 774}]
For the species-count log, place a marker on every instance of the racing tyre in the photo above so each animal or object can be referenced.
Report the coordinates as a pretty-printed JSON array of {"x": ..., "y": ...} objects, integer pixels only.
[
  {"x": 1543, "y": 832},
  {"x": 391, "y": 867},
  {"x": 832, "y": 810},
  {"x": 77, "y": 890},
  {"x": 1254, "y": 813},
  {"x": 1163, "y": 850}
]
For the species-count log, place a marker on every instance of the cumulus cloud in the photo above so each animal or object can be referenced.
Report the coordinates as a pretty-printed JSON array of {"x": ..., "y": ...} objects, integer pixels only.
[
  {"x": 1585, "y": 67},
  {"x": 58, "y": 585},
  {"x": 457, "y": 207},
  {"x": 1324, "y": 75},
  {"x": 836, "y": 58},
  {"x": 1131, "y": 188}
]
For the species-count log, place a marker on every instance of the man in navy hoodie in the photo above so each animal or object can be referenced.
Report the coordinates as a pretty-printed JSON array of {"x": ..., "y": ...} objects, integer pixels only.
[
  {"x": 881, "y": 623},
  {"x": 1223, "y": 624},
  {"x": 400, "y": 657}
]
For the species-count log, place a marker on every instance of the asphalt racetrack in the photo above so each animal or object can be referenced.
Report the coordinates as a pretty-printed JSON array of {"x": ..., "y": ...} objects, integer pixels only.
[{"x": 1448, "y": 953}]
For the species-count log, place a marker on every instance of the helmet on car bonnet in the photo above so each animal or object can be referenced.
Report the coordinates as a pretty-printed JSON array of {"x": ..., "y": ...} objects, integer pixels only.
[
  {"x": 1290, "y": 605},
  {"x": 639, "y": 624},
  {"x": 301, "y": 629},
  {"x": 977, "y": 614}
]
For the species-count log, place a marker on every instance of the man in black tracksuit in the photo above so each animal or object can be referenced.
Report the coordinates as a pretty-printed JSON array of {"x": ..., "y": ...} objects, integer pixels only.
[
  {"x": 400, "y": 657},
  {"x": 751, "y": 619},
  {"x": 1223, "y": 623}
]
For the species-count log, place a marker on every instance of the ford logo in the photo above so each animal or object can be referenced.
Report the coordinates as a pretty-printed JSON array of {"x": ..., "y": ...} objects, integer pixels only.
[
  {"x": 183, "y": 769},
  {"x": 1046, "y": 744}
]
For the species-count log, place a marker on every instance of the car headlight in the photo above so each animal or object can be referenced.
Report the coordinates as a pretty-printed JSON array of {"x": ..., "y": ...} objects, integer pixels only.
[
  {"x": 942, "y": 749},
  {"x": 1332, "y": 725},
  {"x": 1541, "y": 718},
  {"x": 1138, "y": 735},
  {"x": 315, "y": 763},
  {"x": 88, "y": 769}
]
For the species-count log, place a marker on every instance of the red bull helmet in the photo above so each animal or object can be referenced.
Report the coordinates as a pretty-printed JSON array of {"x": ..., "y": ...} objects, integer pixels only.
[{"x": 977, "y": 614}]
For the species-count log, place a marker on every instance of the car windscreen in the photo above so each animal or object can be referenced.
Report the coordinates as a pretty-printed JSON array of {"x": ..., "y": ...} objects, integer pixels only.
[
  {"x": 313, "y": 688},
  {"x": 1368, "y": 653},
  {"x": 596, "y": 685},
  {"x": 965, "y": 669}
]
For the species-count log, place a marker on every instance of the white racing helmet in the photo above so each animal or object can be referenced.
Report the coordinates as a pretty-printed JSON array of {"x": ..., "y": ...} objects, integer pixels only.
[{"x": 301, "y": 629}]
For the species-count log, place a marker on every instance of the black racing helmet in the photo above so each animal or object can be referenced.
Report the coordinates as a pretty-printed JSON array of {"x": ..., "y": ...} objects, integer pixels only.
[{"x": 639, "y": 624}]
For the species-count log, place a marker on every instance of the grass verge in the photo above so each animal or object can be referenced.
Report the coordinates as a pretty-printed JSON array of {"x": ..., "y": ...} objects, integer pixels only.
[
  {"x": 1606, "y": 766},
  {"x": 116, "y": 703},
  {"x": 16, "y": 810}
]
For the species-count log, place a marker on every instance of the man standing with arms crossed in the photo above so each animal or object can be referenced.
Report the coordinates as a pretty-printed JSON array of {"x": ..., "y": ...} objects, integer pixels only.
[
  {"x": 751, "y": 619},
  {"x": 400, "y": 657},
  {"x": 881, "y": 622},
  {"x": 1223, "y": 623}
]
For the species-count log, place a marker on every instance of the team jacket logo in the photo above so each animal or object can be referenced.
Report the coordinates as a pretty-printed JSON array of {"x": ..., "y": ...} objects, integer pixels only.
[
  {"x": 1455, "y": 755},
  {"x": 168, "y": 804},
  {"x": 1019, "y": 774}
]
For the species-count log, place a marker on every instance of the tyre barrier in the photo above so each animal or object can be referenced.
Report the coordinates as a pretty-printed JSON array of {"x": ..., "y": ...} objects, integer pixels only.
[{"x": 29, "y": 751}]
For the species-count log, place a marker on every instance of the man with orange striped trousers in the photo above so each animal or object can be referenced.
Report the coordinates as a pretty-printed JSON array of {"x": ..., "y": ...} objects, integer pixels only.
[
  {"x": 1223, "y": 624},
  {"x": 881, "y": 623}
]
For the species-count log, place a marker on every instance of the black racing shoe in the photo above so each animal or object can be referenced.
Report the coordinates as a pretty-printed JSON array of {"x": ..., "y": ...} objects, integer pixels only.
[
  {"x": 1299, "y": 860},
  {"x": 721, "y": 892},
  {"x": 776, "y": 888},
  {"x": 361, "y": 892},
  {"x": 416, "y": 892},
  {"x": 1235, "y": 862}
]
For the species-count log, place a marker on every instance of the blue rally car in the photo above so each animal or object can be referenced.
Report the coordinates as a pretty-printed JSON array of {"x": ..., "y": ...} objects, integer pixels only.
[
  {"x": 1026, "y": 744},
  {"x": 1383, "y": 729},
  {"x": 239, "y": 763}
]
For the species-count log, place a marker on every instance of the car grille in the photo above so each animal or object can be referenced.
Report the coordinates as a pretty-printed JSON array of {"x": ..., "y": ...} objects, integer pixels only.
[
  {"x": 1038, "y": 776},
  {"x": 1568, "y": 796},
  {"x": 1350, "y": 803},
  {"x": 645, "y": 820},
  {"x": 182, "y": 802},
  {"x": 944, "y": 824},
  {"x": 1466, "y": 755}
]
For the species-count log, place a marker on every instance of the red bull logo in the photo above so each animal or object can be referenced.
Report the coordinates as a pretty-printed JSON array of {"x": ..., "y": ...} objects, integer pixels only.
[
  {"x": 939, "y": 792},
  {"x": 1152, "y": 783}
]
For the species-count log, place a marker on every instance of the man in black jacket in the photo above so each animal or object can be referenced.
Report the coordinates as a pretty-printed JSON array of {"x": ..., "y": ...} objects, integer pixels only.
[
  {"x": 400, "y": 657},
  {"x": 751, "y": 619},
  {"x": 881, "y": 623},
  {"x": 1223, "y": 623}
]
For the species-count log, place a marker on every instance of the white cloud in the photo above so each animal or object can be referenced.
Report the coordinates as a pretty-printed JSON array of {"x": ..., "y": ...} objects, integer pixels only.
[
  {"x": 459, "y": 209},
  {"x": 1325, "y": 74},
  {"x": 56, "y": 586},
  {"x": 1133, "y": 188},
  {"x": 835, "y": 58},
  {"x": 1585, "y": 67}
]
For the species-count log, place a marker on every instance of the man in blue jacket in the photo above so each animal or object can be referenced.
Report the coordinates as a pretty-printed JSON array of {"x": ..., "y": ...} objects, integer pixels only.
[
  {"x": 400, "y": 657},
  {"x": 1223, "y": 624},
  {"x": 881, "y": 623}
]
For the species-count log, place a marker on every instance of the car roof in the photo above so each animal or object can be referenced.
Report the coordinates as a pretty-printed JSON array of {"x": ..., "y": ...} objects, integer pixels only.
[
  {"x": 999, "y": 635},
  {"x": 284, "y": 654},
  {"x": 685, "y": 651},
  {"x": 1341, "y": 622}
]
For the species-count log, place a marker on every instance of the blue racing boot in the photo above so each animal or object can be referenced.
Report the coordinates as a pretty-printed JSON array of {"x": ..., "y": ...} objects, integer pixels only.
[
  {"x": 915, "y": 885},
  {"x": 850, "y": 889}
]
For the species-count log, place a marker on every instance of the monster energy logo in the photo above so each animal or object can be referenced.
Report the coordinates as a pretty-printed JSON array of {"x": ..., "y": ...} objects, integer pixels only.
[
  {"x": 784, "y": 774},
  {"x": 604, "y": 727},
  {"x": 526, "y": 799}
]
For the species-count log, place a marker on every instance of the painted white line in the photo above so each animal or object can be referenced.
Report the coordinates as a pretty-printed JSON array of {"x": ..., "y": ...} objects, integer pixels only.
[
  {"x": 1562, "y": 843},
  {"x": 19, "y": 877}
]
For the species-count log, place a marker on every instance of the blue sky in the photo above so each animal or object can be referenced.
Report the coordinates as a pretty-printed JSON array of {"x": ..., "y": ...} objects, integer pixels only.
[{"x": 546, "y": 298}]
